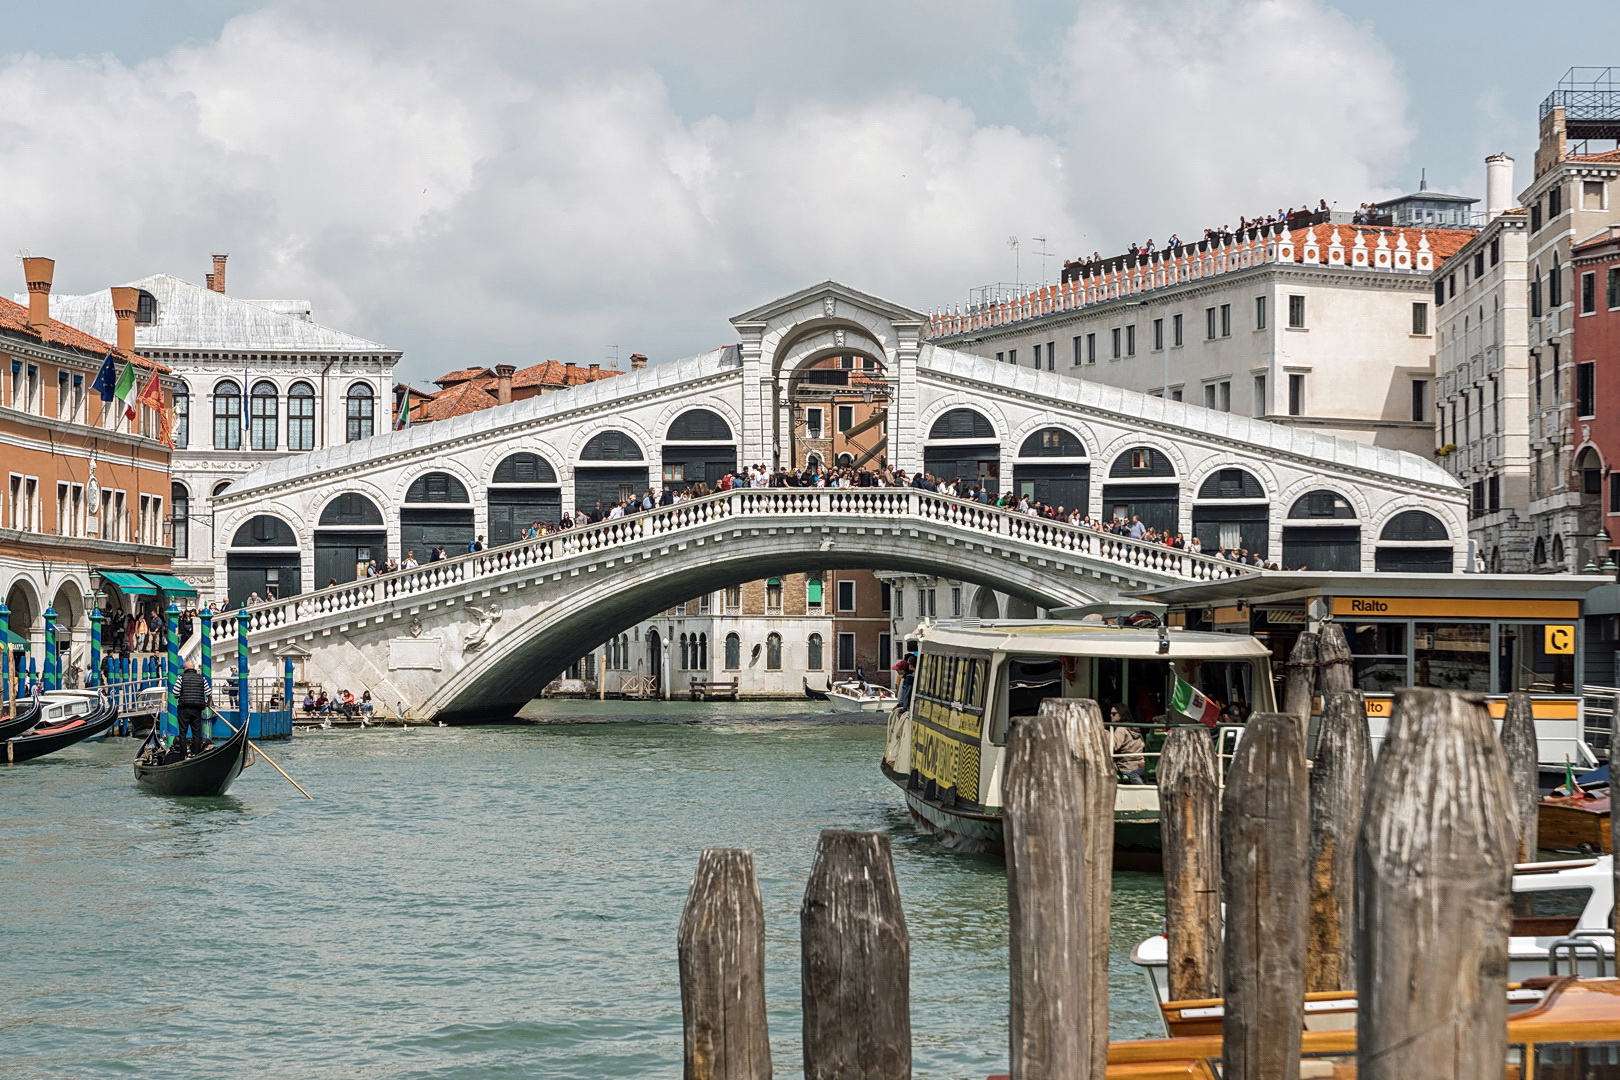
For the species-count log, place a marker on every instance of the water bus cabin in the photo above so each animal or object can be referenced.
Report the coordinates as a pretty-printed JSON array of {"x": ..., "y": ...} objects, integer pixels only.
[
  {"x": 947, "y": 749},
  {"x": 1490, "y": 633}
]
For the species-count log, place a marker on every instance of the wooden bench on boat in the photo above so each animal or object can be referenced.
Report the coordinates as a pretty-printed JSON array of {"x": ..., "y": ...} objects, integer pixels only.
[{"x": 714, "y": 689}]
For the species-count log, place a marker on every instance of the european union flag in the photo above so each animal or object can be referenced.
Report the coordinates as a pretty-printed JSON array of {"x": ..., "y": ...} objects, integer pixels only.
[{"x": 106, "y": 379}]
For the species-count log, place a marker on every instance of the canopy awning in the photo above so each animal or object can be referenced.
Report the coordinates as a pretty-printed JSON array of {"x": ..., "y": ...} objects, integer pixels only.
[
  {"x": 16, "y": 641},
  {"x": 168, "y": 584},
  {"x": 128, "y": 583}
]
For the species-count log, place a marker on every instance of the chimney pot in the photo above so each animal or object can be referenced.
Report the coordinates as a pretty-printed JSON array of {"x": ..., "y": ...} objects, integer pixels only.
[
  {"x": 37, "y": 274},
  {"x": 637, "y": 361},
  {"x": 216, "y": 280},
  {"x": 503, "y": 383},
  {"x": 596, "y": 367},
  {"x": 125, "y": 300}
]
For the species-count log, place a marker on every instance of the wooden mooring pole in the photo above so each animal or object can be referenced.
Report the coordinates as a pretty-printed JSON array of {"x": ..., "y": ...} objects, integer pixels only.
[
  {"x": 856, "y": 962},
  {"x": 1189, "y": 820},
  {"x": 1433, "y": 878},
  {"x": 1049, "y": 925},
  {"x": 721, "y": 945},
  {"x": 1338, "y": 791},
  {"x": 1264, "y": 849},
  {"x": 1524, "y": 772},
  {"x": 1334, "y": 669},
  {"x": 1299, "y": 683}
]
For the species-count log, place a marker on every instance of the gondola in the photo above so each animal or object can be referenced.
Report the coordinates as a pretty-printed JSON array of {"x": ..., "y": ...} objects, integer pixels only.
[
  {"x": 812, "y": 694},
  {"x": 48, "y": 740},
  {"x": 26, "y": 716},
  {"x": 209, "y": 773}
]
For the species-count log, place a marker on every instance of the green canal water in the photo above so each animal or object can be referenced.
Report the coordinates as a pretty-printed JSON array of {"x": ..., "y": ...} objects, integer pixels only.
[{"x": 466, "y": 902}]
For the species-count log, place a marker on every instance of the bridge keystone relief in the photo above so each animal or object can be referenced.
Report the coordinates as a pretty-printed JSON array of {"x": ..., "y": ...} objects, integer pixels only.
[{"x": 478, "y": 635}]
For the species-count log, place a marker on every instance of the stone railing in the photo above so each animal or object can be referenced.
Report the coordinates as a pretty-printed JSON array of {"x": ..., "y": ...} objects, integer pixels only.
[{"x": 783, "y": 506}]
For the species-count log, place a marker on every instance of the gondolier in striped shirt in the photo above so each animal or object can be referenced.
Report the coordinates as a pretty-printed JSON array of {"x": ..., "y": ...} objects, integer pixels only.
[{"x": 192, "y": 692}]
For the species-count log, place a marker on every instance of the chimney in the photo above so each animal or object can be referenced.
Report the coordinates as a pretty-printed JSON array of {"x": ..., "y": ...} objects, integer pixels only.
[
  {"x": 208, "y": 279},
  {"x": 216, "y": 280},
  {"x": 37, "y": 273},
  {"x": 503, "y": 383},
  {"x": 596, "y": 367},
  {"x": 125, "y": 300},
  {"x": 1498, "y": 185},
  {"x": 637, "y": 361}
]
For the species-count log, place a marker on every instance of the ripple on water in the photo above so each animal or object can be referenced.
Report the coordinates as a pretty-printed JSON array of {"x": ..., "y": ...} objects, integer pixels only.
[{"x": 468, "y": 902}]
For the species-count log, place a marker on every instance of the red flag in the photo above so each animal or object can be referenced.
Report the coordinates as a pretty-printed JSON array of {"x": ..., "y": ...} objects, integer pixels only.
[{"x": 151, "y": 396}]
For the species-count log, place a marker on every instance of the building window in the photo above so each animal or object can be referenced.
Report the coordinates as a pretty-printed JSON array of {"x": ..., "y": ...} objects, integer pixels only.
[
  {"x": 885, "y": 652},
  {"x": 812, "y": 423},
  {"x": 1226, "y": 320},
  {"x": 1496, "y": 250},
  {"x": 1175, "y": 330},
  {"x": 1440, "y": 294},
  {"x": 1612, "y": 288},
  {"x": 1296, "y": 312},
  {"x": 898, "y": 598},
  {"x": 812, "y": 653},
  {"x": 846, "y": 417},
  {"x": 956, "y": 601},
  {"x": 180, "y": 500},
  {"x": 145, "y": 309},
  {"x": 733, "y": 599},
  {"x": 1585, "y": 390},
  {"x": 1614, "y": 492},
  {"x": 1259, "y": 313},
  {"x": 1420, "y": 399},
  {"x": 1555, "y": 286},
  {"x": 227, "y": 416},
  {"x": 1588, "y": 292},
  {"x": 64, "y": 395},
  {"x": 1296, "y": 395},
  {"x": 32, "y": 402},
  {"x": 846, "y": 596},
  {"x": 1223, "y": 395},
  {"x": 812, "y": 595},
  {"x": 1158, "y": 334},
  {"x": 1209, "y": 395},
  {"x": 1420, "y": 318},
  {"x": 926, "y": 606},
  {"x": 361, "y": 412},
  {"x": 1012, "y": 358},
  {"x": 885, "y": 592},
  {"x": 263, "y": 407},
  {"x": 1555, "y": 201},
  {"x": 773, "y": 652},
  {"x": 1209, "y": 324},
  {"x": 1091, "y": 348},
  {"x": 733, "y": 652},
  {"x": 1079, "y": 357},
  {"x": 1001, "y": 358},
  {"x": 773, "y": 596},
  {"x": 1260, "y": 395},
  {"x": 1479, "y": 265},
  {"x": 182, "y": 416},
  {"x": 301, "y": 417},
  {"x": 1051, "y": 356},
  {"x": 846, "y": 652},
  {"x": 1115, "y": 335}
]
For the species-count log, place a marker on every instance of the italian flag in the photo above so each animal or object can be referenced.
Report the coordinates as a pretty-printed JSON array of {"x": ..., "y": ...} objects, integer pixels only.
[
  {"x": 1188, "y": 702},
  {"x": 125, "y": 390}
]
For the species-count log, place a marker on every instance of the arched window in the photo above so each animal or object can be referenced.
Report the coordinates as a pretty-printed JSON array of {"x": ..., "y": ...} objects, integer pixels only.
[
  {"x": 846, "y": 461},
  {"x": 1052, "y": 442},
  {"x": 773, "y": 652},
  {"x": 227, "y": 415},
  {"x": 686, "y": 655},
  {"x": 362, "y": 412},
  {"x": 733, "y": 652},
  {"x": 611, "y": 446},
  {"x": 180, "y": 500},
  {"x": 962, "y": 424},
  {"x": 1141, "y": 461},
  {"x": 1540, "y": 555},
  {"x": 1321, "y": 504},
  {"x": 702, "y": 651},
  {"x": 1558, "y": 550},
  {"x": 699, "y": 425},
  {"x": 145, "y": 309},
  {"x": 301, "y": 417},
  {"x": 436, "y": 487},
  {"x": 1231, "y": 484},
  {"x": 1413, "y": 525},
  {"x": 221, "y": 488},
  {"x": 813, "y": 653},
  {"x": 263, "y": 530},
  {"x": 525, "y": 469},
  {"x": 262, "y": 404},
  {"x": 182, "y": 416},
  {"x": 351, "y": 508}
]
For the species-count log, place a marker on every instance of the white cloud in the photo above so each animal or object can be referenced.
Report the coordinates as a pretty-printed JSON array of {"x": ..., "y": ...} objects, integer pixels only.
[{"x": 474, "y": 209}]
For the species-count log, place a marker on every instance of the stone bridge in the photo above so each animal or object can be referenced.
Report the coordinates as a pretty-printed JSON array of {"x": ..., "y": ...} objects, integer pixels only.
[{"x": 477, "y": 636}]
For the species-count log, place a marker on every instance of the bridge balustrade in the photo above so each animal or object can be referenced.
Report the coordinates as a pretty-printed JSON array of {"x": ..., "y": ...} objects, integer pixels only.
[{"x": 889, "y": 505}]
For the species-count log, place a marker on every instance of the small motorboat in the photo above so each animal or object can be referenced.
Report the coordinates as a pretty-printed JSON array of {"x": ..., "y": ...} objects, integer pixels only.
[
  {"x": 1576, "y": 816},
  {"x": 855, "y": 695},
  {"x": 812, "y": 693},
  {"x": 49, "y": 738},
  {"x": 209, "y": 773}
]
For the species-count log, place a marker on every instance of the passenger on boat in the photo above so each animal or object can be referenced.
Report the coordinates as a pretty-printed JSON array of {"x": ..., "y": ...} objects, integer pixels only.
[
  {"x": 1128, "y": 746},
  {"x": 192, "y": 692},
  {"x": 907, "y": 668}
]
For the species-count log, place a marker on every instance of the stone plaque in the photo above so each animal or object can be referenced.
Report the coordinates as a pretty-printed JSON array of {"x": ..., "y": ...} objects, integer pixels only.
[{"x": 414, "y": 652}]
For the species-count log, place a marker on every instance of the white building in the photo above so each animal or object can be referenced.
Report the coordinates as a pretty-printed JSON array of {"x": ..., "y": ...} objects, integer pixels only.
[
  {"x": 259, "y": 379},
  {"x": 1482, "y": 414},
  {"x": 1325, "y": 326}
]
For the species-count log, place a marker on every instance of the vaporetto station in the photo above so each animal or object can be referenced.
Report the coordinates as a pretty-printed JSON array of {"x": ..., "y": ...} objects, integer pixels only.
[{"x": 480, "y": 634}]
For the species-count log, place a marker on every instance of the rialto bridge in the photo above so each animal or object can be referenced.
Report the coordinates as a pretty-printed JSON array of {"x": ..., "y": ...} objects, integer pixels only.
[{"x": 826, "y": 373}]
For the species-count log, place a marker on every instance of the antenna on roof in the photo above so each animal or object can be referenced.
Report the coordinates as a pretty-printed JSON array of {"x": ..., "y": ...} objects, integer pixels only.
[
  {"x": 1043, "y": 254},
  {"x": 1423, "y": 179},
  {"x": 615, "y": 354}
]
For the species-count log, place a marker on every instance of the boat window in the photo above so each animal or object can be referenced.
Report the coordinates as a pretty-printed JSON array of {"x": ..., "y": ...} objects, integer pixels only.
[
  {"x": 1378, "y": 655},
  {"x": 1139, "y": 685},
  {"x": 1230, "y": 683},
  {"x": 1030, "y": 680},
  {"x": 1578, "y": 1061},
  {"x": 1523, "y": 662},
  {"x": 1548, "y": 912},
  {"x": 1452, "y": 656}
]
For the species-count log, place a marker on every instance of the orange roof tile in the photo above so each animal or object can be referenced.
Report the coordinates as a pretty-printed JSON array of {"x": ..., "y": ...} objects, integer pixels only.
[
  {"x": 14, "y": 317},
  {"x": 1443, "y": 243},
  {"x": 1605, "y": 156},
  {"x": 458, "y": 401},
  {"x": 552, "y": 373}
]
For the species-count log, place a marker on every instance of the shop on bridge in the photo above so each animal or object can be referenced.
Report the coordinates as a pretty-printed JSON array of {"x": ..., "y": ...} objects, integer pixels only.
[
  {"x": 1232, "y": 512},
  {"x": 1142, "y": 483},
  {"x": 437, "y": 512},
  {"x": 699, "y": 449},
  {"x": 263, "y": 561},
  {"x": 611, "y": 469},
  {"x": 523, "y": 492},
  {"x": 350, "y": 535},
  {"x": 1053, "y": 468},
  {"x": 963, "y": 444}
]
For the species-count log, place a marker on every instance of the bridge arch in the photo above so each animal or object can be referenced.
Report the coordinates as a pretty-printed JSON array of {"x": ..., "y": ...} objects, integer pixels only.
[
  {"x": 1322, "y": 531},
  {"x": 350, "y": 533},
  {"x": 824, "y": 338},
  {"x": 699, "y": 447},
  {"x": 1232, "y": 509},
  {"x": 1053, "y": 466},
  {"x": 965, "y": 441},
  {"x": 1413, "y": 540},
  {"x": 524, "y": 489},
  {"x": 437, "y": 511},
  {"x": 612, "y": 466},
  {"x": 1143, "y": 482},
  {"x": 264, "y": 559}
]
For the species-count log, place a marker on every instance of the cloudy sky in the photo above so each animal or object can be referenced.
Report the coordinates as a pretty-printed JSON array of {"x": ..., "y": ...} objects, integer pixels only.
[{"x": 486, "y": 182}]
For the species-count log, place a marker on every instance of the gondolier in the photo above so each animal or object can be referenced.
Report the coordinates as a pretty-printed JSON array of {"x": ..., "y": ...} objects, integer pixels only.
[{"x": 192, "y": 691}]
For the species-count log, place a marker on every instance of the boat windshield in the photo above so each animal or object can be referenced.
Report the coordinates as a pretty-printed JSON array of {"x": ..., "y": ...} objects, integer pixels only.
[{"x": 1143, "y": 687}]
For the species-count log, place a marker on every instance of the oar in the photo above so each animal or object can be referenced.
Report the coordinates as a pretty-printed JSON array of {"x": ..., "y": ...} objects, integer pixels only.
[{"x": 267, "y": 758}]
